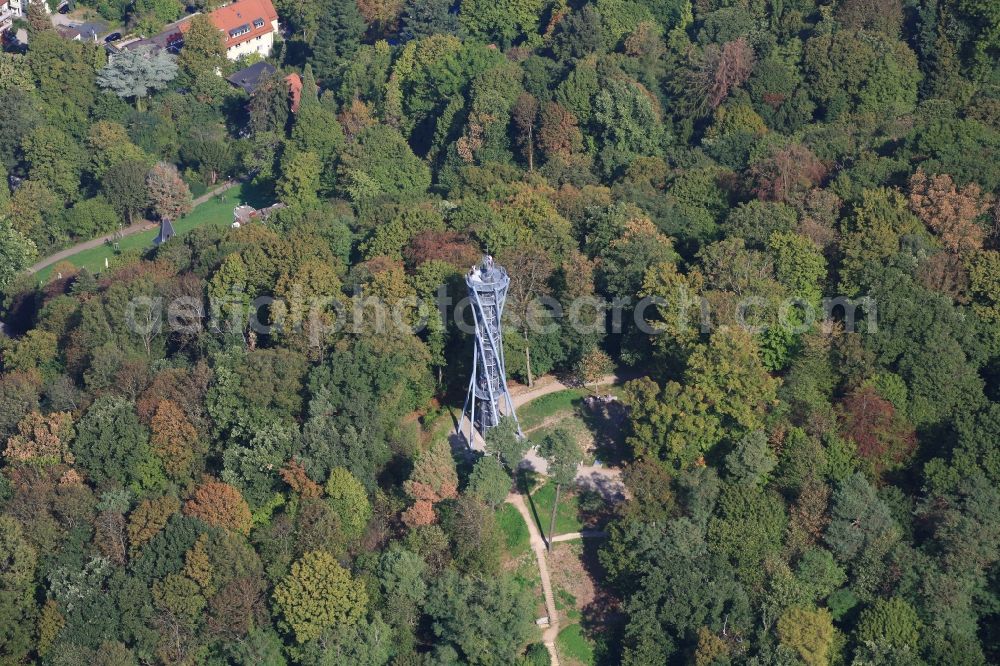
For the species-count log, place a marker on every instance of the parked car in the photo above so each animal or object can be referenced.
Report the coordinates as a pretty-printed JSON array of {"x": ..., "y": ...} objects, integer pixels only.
[
  {"x": 64, "y": 9},
  {"x": 113, "y": 37}
]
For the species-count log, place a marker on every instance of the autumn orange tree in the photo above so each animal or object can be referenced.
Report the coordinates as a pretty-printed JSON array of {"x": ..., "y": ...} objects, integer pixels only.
[
  {"x": 432, "y": 480},
  {"x": 42, "y": 439},
  {"x": 949, "y": 211},
  {"x": 174, "y": 440},
  {"x": 221, "y": 505}
]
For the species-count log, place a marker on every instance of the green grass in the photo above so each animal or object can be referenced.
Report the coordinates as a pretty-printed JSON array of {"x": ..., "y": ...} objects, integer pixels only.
[
  {"x": 567, "y": 515},
  {"x": 214, "y": 212},
  {"x": 541, "y": 408},
  {"x": 573, "y": 645},
  {"x": 514, "y": 531}
]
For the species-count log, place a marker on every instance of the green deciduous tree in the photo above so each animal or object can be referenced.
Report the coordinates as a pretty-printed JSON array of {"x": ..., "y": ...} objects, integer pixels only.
[
  {"x": 380, "y": 162},
  {"x": 55, "y": 159},
  {"x": 17, "y": 571},
  {"x": 504, "y": 22},
  {"x": 124, "y": 186},
  {"x": 889, "y": 632},
  {"x": 733, "y": 378},
  {"x": 503, "y": 442},
  {"x": 485, "y": 619},
  {"x": 489, "y": 481},
  {"x": 348, "y": 498},
  {"x": 300, "y": 179},
  {"x": 16, "y": 253},
  {"x": 204, "y": 52},
  {"x": 113, "y": 446},
  {"x": 318, "y": 594}
]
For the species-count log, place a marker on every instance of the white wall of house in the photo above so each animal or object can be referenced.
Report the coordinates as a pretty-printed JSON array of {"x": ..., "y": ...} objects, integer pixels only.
[
  {"x": 20, "y": 7},
  {"x": 6, "y": 16},
  {"x": 261, "y": 44}
]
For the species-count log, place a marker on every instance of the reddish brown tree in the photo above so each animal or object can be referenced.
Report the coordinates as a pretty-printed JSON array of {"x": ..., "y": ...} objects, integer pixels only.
[
  {"x": 421, "y": 513},
  {"x": 808, "y": 518},
  {"x": 220, "y": 504},
  {"x": 786, "y": 174},
  {"x": 433, "y": 477},
  {"x": 528, "y": 284},
  {"x": 43, "y": 439},
  {"x": 237, "y": 608},
  {"x": 717, "y": 71},
  {"x": 883, "y": 438},
  {"x": 294, "y": 474},
  {"x": 945, "y": 273},
  {"x": 885, "y": 16},
  {"x": 559, "y": 133},
  {"x": 381, "y": 15},
  {"x": 111, "y": 536},
  {"x": 184, "y": 387},
  {"x": 447, "y": 246},
  {"x": 149, "y": 518},
  {"x": 169, "y": 195},
  {"x": 356, "y": 118}
]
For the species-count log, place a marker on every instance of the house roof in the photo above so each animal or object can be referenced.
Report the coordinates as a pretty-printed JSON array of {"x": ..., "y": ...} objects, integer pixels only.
[
  {"x": 250, "y": 78},
  {"x": 244, "y": 20}
]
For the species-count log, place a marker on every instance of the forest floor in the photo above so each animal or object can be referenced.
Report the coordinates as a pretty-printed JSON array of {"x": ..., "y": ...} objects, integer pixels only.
[{"x": 210, "y": 207}]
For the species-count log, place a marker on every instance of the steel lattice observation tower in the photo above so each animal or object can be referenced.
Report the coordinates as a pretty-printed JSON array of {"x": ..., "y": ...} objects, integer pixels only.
[{"x": 488, "y": 398}]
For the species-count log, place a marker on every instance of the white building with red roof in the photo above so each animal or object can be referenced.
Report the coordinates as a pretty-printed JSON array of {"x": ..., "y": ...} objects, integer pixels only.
[{"x": 247, "y": 26}]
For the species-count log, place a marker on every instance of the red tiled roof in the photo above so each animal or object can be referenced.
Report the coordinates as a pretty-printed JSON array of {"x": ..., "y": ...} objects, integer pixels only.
[{"x": 241, "y": 15}]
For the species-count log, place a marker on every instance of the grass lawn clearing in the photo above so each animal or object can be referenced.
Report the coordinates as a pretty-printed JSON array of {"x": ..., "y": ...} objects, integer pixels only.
[
  {"x": 515, "y": 532},
  {"x": 217, "y": 211},
  {"x": 567, "y": 515},
  {"x": 543, "y": 407},
  {"x": 574, "y": 647}
]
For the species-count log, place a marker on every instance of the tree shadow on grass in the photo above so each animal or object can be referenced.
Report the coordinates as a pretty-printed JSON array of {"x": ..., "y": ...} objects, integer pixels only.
[{"x": 523, "y": 484}]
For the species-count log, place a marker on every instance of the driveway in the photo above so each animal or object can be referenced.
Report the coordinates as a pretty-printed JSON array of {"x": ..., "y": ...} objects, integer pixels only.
[{"x": 89, "y": 30}]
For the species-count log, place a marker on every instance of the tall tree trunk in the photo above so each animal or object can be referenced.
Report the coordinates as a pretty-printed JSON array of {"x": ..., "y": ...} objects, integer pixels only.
[
  {"x": 527, "y": 359},
  {"x": 531, "y": 149},
  {"x": 552, "y": 520}
]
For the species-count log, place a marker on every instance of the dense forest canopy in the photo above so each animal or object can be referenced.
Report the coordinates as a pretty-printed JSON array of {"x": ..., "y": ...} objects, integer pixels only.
[{"x": 802, "y": 196}]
